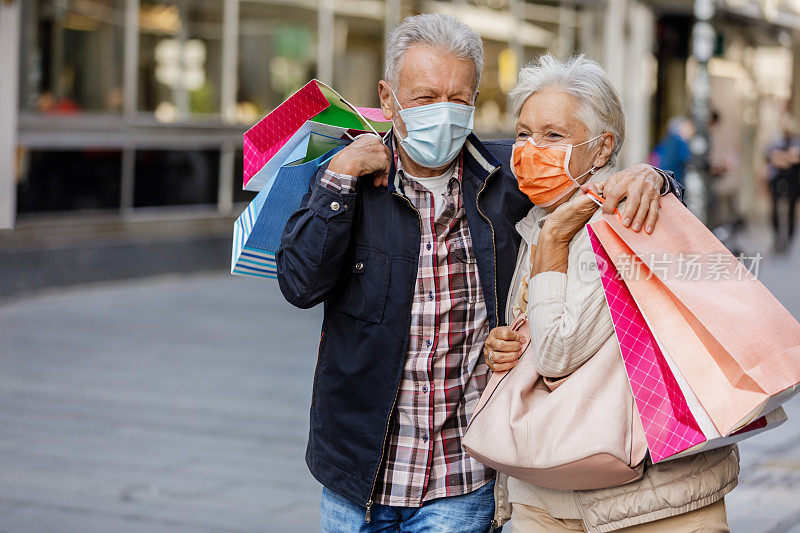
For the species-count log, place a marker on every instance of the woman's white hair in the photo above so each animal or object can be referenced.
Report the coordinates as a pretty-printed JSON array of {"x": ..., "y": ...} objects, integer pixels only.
[
  {"x": 599, "y": 108},
  {"x": 440, "y": 31}
]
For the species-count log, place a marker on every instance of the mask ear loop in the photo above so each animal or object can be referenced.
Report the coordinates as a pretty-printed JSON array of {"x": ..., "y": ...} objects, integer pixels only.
[
  {"x": 569, "y": 153},
  {"x": 395, "y": 99},
  {"x": 398, "y": 105}
]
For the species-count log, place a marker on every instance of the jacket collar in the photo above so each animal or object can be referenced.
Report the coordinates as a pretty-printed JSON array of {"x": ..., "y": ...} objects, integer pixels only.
[{"x": 478, "y": 161}]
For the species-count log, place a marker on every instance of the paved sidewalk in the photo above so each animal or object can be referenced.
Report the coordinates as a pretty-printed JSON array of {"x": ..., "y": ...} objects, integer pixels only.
[
  {"x": 768, "y": 496},
  {"x": 180, "y": 404},
  {"x": 169, "y": 405}
]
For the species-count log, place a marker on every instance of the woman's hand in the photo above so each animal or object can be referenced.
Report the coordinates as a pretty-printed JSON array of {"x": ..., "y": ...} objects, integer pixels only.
[
  {"x": 569, "y": 218},
  {"x": 502, "y": 349}
]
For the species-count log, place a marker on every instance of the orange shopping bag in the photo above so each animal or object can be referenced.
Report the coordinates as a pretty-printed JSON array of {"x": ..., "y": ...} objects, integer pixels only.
[{"x": 736, "y": 346}]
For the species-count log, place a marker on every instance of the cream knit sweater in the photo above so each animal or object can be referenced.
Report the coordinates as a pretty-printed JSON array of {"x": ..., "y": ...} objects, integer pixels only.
[{"x": 569, "y": 322}]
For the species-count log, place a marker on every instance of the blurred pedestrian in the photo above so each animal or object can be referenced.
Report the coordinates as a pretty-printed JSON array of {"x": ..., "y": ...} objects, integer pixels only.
[
  {"x": 672, "y": 151},
  {"x": 783, "y": 162},
  {"x": 725, "y": 180},
  {"x": 413, "y": 278}
]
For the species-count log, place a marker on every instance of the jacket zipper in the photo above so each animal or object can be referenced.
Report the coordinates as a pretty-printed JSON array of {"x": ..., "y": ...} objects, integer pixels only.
[
  {"x": 368, "y": 514},
  {"x": 494, "y": 246},
  {"x": 494, "y": 252},
  {"x": 495, "y": 524},
  {"x": 370, "y": 501}
]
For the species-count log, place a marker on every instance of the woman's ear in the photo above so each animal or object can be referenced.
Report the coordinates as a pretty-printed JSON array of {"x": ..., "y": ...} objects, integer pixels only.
[
  {"x": 385, "y": 95},
  {"x": 606, "y": 147}
]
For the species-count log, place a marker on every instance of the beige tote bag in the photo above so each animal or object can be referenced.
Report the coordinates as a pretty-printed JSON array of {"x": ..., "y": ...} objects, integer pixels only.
[{"x": 581, "y": 432}]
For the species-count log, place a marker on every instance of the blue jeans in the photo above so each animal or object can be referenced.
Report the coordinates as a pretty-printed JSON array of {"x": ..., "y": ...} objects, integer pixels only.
[{"x": 470, "y": 513}]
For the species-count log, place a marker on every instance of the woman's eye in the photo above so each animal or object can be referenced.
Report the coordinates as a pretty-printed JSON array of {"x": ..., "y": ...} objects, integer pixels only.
[
  {"x": 553, "y": 135},
  {"x": 522, "y": 135}
]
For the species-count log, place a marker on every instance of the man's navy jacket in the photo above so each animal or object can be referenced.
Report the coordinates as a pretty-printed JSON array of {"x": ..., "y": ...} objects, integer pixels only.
[{"x": 358, "y": 254}]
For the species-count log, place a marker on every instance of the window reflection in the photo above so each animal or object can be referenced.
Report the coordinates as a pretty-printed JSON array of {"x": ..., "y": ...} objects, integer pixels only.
[
  {"x": 277, "y": 55},
  {"x": 180, "y": 48},
  {"x": 72, "y": 58}
]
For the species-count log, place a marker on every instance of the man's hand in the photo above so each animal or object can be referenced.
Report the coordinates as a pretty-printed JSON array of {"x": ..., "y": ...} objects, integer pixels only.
[
  {"x": 365, "y": 155},
  {"x": 640, "y": 185},
  {"x": 502, "y": 349}
]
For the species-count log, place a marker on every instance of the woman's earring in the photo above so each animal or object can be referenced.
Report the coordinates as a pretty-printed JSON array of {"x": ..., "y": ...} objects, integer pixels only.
[{"x": 593, "y": 171}]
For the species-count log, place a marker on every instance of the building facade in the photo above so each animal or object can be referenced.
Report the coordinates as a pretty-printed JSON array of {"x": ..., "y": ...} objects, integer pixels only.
[{"x": 138, "y": 106}]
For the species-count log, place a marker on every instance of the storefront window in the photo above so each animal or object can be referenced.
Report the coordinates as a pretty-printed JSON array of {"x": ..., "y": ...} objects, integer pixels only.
[
  {"x": 72, "y": 56},
  {"x": 277, "y": 55},
  {"x": 65, "y": 180},
  {"x": 358, "y": 62},
  {"x": 498, "y": 77},
  {"x": 239, "y": 194},
  {"x": 176, "y": 177},
  {"x": 180, "y": 58}
]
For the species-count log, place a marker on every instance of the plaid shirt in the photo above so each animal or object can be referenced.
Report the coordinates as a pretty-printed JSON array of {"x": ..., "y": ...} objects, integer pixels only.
[{"x": 444, "y": 373}]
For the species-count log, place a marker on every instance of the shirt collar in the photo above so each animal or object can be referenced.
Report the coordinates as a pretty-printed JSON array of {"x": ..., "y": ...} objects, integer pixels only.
[{"x": 455, "y": 179}]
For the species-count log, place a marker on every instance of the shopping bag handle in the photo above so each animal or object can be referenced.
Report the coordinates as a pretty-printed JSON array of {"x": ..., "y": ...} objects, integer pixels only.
[
  {"x": 362, "y": 117},
  {"x": 599, "y": 200}
]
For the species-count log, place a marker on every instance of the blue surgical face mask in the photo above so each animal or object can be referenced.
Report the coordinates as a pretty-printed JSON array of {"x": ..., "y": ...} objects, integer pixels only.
[{"x": 435, "y": 133}]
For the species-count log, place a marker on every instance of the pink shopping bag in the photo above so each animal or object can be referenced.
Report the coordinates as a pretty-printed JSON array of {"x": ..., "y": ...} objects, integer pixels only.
[
  {"x": 666, "y": 418},
  {"x": 674, "y": 422},
  {"x": 736, "y": 346},
  {"x": 315, "y": 107}
]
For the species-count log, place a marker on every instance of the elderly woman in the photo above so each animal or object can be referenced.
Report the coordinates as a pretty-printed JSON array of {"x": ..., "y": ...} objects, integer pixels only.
[{"x": 569, "y": 132}]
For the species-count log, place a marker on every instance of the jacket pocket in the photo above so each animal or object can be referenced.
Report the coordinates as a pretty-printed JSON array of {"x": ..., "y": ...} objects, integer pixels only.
[{"x": 365, "y": 292}]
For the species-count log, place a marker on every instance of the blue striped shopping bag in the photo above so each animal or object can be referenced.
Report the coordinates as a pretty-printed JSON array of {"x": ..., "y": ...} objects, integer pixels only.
[{"x": 257, "y": 231}]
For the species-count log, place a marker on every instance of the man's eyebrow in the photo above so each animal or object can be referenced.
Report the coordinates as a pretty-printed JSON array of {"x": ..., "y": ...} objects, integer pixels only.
[{"x": 416, "y": 92}]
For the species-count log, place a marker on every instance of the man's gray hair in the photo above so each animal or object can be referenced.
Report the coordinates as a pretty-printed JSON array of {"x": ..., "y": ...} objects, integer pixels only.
[
  {"x": 599, "y": 108},
  {"x": 439, "y": 31}
]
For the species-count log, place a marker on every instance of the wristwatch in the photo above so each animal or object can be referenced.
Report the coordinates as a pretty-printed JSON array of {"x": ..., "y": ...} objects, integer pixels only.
[{"x": 668, "y": 183}]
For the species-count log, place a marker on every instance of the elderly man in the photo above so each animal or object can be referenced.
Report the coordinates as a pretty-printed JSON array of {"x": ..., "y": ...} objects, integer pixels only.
[{"x": 413, "y": 277}]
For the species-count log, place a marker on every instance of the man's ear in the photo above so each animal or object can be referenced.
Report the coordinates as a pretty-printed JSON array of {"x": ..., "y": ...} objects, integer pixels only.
[
  {"x": 475, "y": 100},
  {"x": 385, "y": 96}
]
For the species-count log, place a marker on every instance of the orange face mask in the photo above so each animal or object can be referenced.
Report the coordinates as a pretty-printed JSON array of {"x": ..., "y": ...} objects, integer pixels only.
[{"x": 543, "y": 171}]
